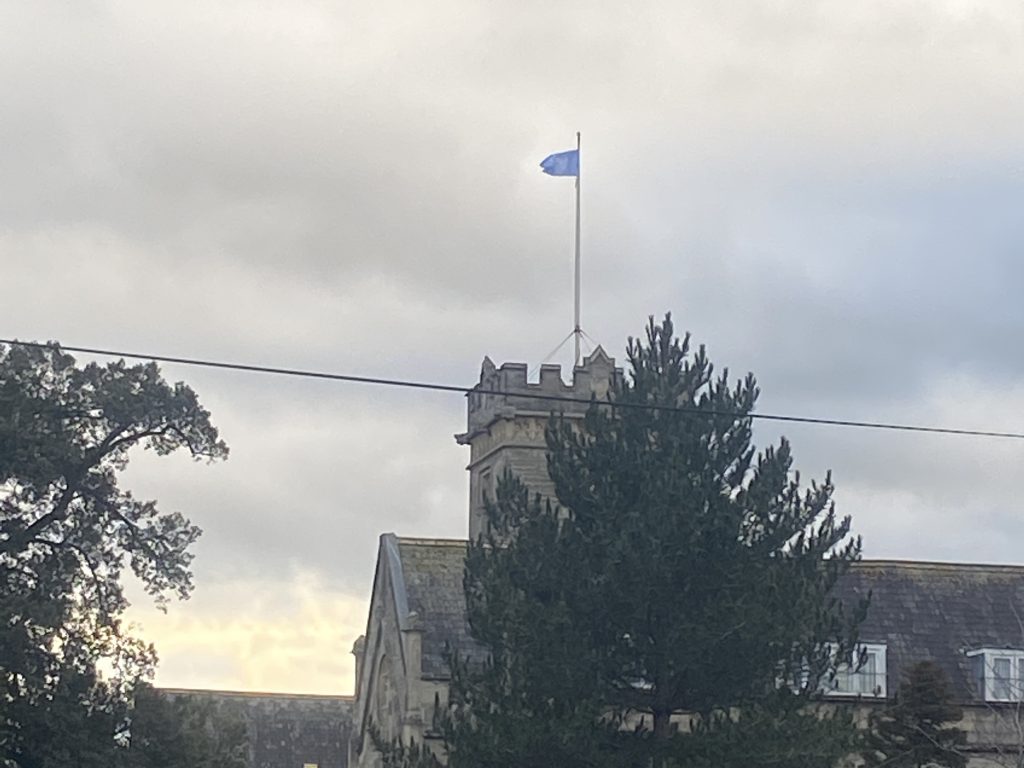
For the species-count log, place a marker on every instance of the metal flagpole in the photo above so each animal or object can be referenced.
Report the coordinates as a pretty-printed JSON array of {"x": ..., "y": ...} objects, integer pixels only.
[{"x": 577, "y": 331}]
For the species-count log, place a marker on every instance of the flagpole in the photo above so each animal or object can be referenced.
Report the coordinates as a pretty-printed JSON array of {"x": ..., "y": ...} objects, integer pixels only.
[{"x": 577, "y": 332}]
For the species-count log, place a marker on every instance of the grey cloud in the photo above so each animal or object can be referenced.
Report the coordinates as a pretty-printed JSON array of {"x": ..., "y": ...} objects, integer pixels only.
[
  {"x": 826, "y": 193},
  {"x": 328, "y": 155},
  {"x": 313, "y": 478}
]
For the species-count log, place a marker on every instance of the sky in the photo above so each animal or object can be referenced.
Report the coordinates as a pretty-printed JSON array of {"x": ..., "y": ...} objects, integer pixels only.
[{"x": 824, "y": 193}]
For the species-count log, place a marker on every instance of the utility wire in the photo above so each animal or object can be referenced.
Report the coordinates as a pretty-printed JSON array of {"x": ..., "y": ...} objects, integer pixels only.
[{"x": 408, "y": 384}]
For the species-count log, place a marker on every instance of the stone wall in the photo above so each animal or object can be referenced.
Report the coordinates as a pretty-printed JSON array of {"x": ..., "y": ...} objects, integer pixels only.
[{"x": 507, "y": 416}]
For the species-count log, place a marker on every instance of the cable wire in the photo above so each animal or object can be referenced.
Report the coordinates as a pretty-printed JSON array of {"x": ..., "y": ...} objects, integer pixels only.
[
  {"x": 424, "y": 385},
  {"x": 551, "y": 353}
]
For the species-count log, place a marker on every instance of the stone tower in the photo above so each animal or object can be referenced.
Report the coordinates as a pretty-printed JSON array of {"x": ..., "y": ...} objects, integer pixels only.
[{"x": 506, "y": 421}]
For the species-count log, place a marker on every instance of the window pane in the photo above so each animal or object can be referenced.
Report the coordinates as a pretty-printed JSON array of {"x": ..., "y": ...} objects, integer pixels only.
[
  {"x": 1001, "y": 678},
  {"x": 867, "y": 673},
  {"x": 841, "y": 683},
  {"x": 859, "y": 679},
  {"x": 846, "y": 681},
  {"x": 978, "y": 672}
]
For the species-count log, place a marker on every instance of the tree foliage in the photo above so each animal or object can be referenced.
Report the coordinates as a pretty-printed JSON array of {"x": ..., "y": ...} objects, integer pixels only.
[
  {"x": 396, "y": 754},
  {"x": 916, "y": 729},
  {"x": 68, "y": 533},
  {"x": 185, "y": 732},
  {"x": 674, "y": 606}
]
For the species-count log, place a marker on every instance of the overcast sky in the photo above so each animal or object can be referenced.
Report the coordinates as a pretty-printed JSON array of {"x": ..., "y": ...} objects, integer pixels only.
[{"x": 828, "y": 194}]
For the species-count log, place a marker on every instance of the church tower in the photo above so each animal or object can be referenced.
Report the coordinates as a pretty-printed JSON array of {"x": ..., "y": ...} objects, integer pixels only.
[{"x": 506, "y": 419}]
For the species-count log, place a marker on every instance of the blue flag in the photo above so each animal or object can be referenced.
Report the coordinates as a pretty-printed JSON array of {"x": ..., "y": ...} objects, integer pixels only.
[{"x": 562, "y": 163}]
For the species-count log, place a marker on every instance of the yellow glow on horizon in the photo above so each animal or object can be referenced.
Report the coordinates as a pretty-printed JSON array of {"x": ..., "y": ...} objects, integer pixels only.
[{"x": 287, "y": 637}]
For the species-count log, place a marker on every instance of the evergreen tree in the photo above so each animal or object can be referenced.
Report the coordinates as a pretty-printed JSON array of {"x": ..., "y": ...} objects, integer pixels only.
[
  {"x": 674, "y": 607},
  {"x": 915, "y": 731},
  {"x": 396, "y": 754}
]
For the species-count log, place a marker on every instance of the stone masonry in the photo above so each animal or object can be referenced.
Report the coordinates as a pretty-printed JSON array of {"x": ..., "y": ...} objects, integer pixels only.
[{"x": 507, "y": 417}]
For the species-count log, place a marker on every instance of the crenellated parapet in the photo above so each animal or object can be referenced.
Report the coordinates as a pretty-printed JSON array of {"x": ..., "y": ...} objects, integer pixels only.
[
  {"x": 507, "y": 415},
  {"x": 504, "y": 392}
]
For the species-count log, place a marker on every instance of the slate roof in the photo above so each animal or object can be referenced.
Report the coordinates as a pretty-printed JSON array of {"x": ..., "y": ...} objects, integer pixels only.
[
  {"x": 432, "y": 570},
  {"x": 285, "y": 729},
  {"x": 919, "y": 610},
  {"x": 936, "y": 611}
]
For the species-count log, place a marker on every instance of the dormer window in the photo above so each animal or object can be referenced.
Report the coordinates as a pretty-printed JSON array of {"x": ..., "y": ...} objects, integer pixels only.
[
  {"x": 999, "y": 673},
  {"x": 865, "y": 675}
]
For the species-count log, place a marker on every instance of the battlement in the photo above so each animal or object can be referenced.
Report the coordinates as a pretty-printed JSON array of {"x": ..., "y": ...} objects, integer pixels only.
[
  {"x": 506, "y": 420},
  {"x": 506, "y": 391}
]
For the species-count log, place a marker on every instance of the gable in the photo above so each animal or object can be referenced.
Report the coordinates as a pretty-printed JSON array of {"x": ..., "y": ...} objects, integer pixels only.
[
  {"x": 384, "y": 669},
  {"x": 433, "y": 571}
]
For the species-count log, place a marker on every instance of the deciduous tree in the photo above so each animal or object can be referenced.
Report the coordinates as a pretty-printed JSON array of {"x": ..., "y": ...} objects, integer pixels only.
[
  {"x": 68, "y": 533},
  {"x": 170, "y": 731}
]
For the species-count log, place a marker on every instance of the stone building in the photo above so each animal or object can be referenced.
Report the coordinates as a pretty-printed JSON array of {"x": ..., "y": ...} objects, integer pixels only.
[
  {"x": 284, "y": 730},
  {"x": 967, "y": 618},
  {"x": 417, "y": 606}
]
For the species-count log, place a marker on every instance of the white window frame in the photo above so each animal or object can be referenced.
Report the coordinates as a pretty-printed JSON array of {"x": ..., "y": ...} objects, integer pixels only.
[
  {"x": 988, "y": 658},
  {"x": 854, "y": 683}
]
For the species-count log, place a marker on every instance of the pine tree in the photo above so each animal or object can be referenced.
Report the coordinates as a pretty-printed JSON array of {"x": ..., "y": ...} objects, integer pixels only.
[
  {"x": 674, "y": 606},
  {"x": 915, "y": 731},
  {"x": 396, "y": 754}
]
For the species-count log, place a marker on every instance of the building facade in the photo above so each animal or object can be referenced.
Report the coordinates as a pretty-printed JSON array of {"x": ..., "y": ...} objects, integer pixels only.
[
  {"x": 283, "y": 730},
  {"x": 969, "y": 619}
]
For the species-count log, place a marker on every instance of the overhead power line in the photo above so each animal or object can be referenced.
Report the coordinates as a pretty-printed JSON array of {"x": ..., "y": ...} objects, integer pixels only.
[{"x": 409, "y": 384}]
